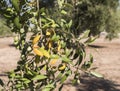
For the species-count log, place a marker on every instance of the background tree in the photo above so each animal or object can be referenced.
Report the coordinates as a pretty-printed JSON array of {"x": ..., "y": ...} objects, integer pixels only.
[
  {"x": 4, "y": 29},
  {"x": 95, "y": 15}
]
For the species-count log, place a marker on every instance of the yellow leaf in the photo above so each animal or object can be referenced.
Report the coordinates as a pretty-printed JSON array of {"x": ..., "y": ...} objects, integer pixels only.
[
  {"x": 48, "y": 33},
  {"x": 62, "y": 67},
  {"x": 50, "y": 44},
  {"x": 36, "y": 39},
  {"x": 52, "y": 62},
  {"x": 41, "y": 51},
  {"x": 59, "y": 46},
  {"x": 37, "y": 52}
]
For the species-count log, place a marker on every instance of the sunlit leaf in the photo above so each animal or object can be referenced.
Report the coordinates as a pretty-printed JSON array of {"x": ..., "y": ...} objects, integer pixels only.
[
  {"x": 53, "y": 56},
  {"x": 46, "y": 89},
  {"x": 37, "y": 52},
  {"x": 85, "y": 34},
  {"x": 55, "y": 37},
  {"x": 90, "y": 40},
  {"x": 63, "y": 12},
  {"x": 63, "y": 78},
  {"x": 46, "y": 53},
  {"x": 39, "y": 77},
  {"x": 18, "y": 85},
  {"x": 26, "y": 81},
  {"x": 96, "y": 74},
  {"x": 65, "y": 59},
  {"x": 48, "y": 33},
  {"x": 49, "y": 86},
  {"x": 62, "y": 67},
  {"x": 36, "y": 39},
  {"x": 53, "y": 61},
  {"x": 59, "y": 46},
  {"x": 70, "y": 23}
]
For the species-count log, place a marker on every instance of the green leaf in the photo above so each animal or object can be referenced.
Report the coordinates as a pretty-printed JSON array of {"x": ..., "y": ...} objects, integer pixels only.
[
  {"x": 30, "y": 73},
  {"x": 25, "y": 80},
  {"x": 53, "y": 56},
  {"x": 51, "y": 20},
  {"x": 69, "y": 72},
  {"x": 12, "y": 74},
  {"x": 91, "y": 58},
  {"x": 59, "y": 76},
  {"x": 74, "y": 81},
  {"x": 96, "y": 74},
  {"x": 37, "y": 59},
  {"x": 16, "y": 22},
  {"x": 54, "y": 25},
  {"x": 33, "y": 72},
  {"x": 90, "y": 40},
  {"x": 70, "y": 24},
  {"x": 46, "y": 25},
  {"x": 66, "y": 59},
  {"x": 63, "y": 12},
  {"x": 18, "y": 85},
  {"x": 50, "y": 86},
  {"x": 39, "y": 77},
  {"x": 7, "y": 16},
  {"x": 85, "y": 34},
  {"x": 62, "y": 20},
  {"x": 63, "y": 44},
  {"x": 46, "y": 53},
  {"x": 67, "y": 52},
  {"x": 60, "y": 3},
  {"x": 16, "y": 5},
  {"x": 46, "y": 89},
  {"x": 63, "y": 79},
  {"x": 68, "y": 5},
  {"x": 55, "y": 37},
  {"x": 1, "y": 83}
]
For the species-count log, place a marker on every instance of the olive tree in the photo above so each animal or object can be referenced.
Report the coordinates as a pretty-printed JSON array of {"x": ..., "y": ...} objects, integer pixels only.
[{"x": 52, "y": 52}]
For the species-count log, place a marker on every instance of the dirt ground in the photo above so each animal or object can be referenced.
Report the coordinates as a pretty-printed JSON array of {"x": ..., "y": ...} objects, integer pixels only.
[{"x": 106, "y": 61}]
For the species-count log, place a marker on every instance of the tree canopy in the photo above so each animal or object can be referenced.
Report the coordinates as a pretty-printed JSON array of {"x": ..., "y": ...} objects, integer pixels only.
[{"x": 94, "y": 15}]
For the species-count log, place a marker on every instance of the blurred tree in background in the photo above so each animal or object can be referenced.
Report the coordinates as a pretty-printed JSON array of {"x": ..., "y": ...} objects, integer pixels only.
[
  {"x": 4, "y": 29},
  {"x": 95, "y": 15}
]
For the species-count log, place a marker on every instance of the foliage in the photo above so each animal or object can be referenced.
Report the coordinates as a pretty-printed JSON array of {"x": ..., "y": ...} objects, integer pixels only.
[
  {"x": 94, "y": 15},
  {"x": 52, "y": 53},
  {"x": 4, "y": 30},
  {"x": 113, "y": 28}
]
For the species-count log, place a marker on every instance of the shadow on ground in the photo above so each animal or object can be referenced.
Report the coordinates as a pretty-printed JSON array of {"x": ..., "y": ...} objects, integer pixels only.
[
  {"x": 90, "y": 83},
  {"x": 96, "y": 84},
  {"x": 96, "y": 46}
]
